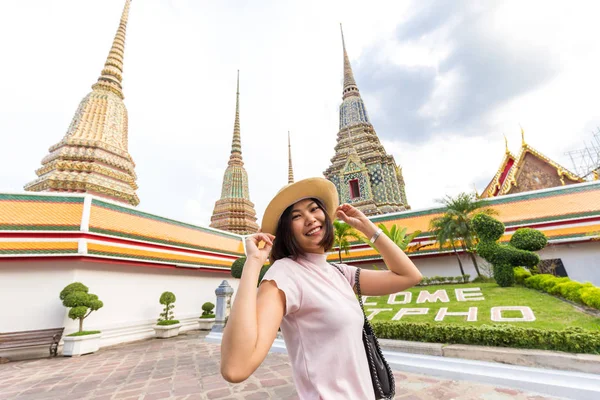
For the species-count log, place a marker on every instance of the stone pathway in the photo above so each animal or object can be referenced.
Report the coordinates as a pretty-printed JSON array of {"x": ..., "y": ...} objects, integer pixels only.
[{"x": 187, "y": 368}]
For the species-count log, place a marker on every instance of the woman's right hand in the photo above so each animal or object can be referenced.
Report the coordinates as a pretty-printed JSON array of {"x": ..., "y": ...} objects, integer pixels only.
[{"x": 252, "y": 250}]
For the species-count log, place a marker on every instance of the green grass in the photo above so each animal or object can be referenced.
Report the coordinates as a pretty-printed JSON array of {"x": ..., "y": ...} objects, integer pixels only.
[
  {"x": 168, "y": 322},
  {"x": 550, "y": 312}
]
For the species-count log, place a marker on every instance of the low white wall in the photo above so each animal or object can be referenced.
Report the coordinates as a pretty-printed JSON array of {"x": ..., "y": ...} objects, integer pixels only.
[
  {"x": 130, "y": 295},
  {"x": 581, "y": 260},
  {"x": 446, "y": 265}
]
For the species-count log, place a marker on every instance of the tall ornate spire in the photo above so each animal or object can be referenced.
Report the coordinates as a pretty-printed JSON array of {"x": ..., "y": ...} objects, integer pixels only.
[
  {"x": 290, "y": 169},
  {"x": 93, "y": 155},
  {"x": 112, "y": 74},
  {"x": 364, "y": 174},
  {"x": 234, "y": 212},
  {"x": 236, "y": 143},
  {"x": 350, "y": 88}
]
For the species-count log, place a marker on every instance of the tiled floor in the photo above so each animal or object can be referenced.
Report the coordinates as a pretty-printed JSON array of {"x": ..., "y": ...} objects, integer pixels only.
[{"x": 186, "y": 367}]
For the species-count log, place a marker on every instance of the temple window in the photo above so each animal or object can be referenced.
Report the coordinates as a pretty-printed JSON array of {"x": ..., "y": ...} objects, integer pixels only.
[{"x": 354, "y": 189}]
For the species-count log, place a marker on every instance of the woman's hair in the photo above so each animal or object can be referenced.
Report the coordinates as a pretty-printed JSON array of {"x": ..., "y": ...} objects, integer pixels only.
[{"x": 285, "y": 244}]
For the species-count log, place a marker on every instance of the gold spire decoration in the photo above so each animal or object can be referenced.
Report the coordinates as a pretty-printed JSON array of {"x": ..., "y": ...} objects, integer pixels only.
[
  {"x": 236, "y": 142},
  {"x": 506, "y": 145},
  {"x": 350, "y": 88},
  {"x": 290, "y": 169},
  {"x": 234, "y": 212},
  {"x": 112, "y": 73},
  {"x": 93, "y": 156},
  {"x": 522, "y": 136}
]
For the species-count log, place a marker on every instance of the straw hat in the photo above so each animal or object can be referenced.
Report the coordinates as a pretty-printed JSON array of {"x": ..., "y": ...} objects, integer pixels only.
[{"x": 319, "y": 188}]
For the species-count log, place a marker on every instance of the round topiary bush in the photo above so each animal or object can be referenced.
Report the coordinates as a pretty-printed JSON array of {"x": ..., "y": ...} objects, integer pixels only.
[
  {"x": 167, "y": 299},
  {"x": 237, "y": 267},
  {"x": 207, "y": 310},
  {"x": 81, "y": 303},
  {"x": 528, "y": 239}
]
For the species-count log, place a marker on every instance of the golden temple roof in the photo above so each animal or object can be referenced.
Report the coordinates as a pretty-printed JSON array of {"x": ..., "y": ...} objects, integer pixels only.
[{"x": 507, "y": 176}]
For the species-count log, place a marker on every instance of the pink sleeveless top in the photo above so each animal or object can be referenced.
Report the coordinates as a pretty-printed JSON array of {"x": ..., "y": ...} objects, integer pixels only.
[{"x": 322, "y": 329}]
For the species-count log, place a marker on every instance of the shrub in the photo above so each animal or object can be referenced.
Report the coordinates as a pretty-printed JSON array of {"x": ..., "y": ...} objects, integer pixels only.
[
  {"x": 237, "y": 267},
  {"x": 207, "y": 309},
  {"x": 466, "y": 278},
  {"x": 528, "y": 239},
  {"x": 535, "y": 280},
  {"x": 167, "y": 299},
  {"x": 504, "y": 275},
  {"x": 571, "y": 290},
  {"x": 83, "y": 333},
  {"x": 81, "y": 303},
  {"x": 521, "y": 274},
  {"x": 590, "y": 296},
  {"x": 505, "y": 257},
  {"x": 168, "y": 322},
  {"x": 547, "y": 284},
  {"x": 574, "y": 340}
]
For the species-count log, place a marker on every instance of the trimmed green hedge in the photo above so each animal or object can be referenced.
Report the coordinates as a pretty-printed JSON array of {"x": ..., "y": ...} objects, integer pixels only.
[
  {"x": 83, "y": 333},
  {"x": 168, "y": 322},
  {"x": 577, "y": 292},
  {"x": 521, "y": 274},
  {"x": 572, "y": 340}
]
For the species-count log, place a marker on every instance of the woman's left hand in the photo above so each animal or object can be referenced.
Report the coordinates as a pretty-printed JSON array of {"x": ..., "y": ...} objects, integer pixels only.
[{"x": 355, "y": 218}]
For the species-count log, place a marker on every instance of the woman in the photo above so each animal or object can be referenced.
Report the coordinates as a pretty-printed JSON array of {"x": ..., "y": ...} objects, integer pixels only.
[{"x": 312, "y": 302}]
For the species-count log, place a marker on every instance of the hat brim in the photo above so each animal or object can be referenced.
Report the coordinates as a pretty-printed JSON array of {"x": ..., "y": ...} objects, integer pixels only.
[{"x": 319, "y": 188}]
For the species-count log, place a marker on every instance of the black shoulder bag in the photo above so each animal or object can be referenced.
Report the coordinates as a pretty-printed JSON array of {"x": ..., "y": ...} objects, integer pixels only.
[{"x": 381, "y": 373}]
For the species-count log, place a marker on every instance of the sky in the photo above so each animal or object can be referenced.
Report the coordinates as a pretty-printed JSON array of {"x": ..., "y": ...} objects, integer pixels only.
[{"x": 442, "y": 81}]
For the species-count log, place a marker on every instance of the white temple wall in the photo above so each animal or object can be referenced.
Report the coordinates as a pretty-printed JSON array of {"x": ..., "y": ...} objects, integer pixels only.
[
  {"x": 29, "y": 294},
  {"x": 446, "y": 265},
  {"x": 581, "y": 260}
]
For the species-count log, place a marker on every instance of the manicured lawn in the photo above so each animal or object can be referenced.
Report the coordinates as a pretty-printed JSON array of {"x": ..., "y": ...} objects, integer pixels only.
[{"x": 549, "y": 312}]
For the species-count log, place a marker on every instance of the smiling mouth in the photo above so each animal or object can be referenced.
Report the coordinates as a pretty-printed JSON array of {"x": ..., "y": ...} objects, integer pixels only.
[{"x": 314, "y": 231}]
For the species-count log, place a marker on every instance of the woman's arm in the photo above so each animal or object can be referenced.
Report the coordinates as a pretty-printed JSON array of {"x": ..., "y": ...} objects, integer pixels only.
[
  {"x": 402, "y": 272},
  {"x": 255, "y": 318}
]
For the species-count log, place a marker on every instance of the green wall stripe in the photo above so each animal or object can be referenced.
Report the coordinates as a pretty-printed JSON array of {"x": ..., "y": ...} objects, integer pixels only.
[
  {"x": 38, "y": 198},
  {"x": 46, "y": 251},
  {"x": 10, "y": 227}
]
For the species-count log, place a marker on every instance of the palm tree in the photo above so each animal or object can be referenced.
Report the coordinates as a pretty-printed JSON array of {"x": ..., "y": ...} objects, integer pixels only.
[
  {"x": 397, "y": 235},
  {"x": 444, "y": 230},
  {"x": 456, "y": 222},
  {"x": 342, "y": 234}
]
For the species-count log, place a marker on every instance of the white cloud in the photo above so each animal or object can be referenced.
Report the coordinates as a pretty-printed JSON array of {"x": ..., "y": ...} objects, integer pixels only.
[{"x": 181, "y": 59}]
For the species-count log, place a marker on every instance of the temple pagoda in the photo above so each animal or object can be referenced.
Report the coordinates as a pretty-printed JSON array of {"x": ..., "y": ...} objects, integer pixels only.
[
  {"x": 93, "y": 156},
  {"x": 234, "y": 212},
  {"x": 290, "y": 168},
  {"x": 364, "y": 174},
  {"x": 529, "y": 170}
]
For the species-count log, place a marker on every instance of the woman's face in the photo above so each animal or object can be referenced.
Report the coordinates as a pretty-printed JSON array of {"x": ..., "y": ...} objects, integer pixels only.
[{"x": 308, "y": 225}]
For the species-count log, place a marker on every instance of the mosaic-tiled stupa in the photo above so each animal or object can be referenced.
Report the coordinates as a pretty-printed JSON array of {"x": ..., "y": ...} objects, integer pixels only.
[
  {"x": 234, "y": 212},
  {"x": 364, "y": 174},
  {"x": 290, "y": 168},
  {"x": 93, "y": 156}
]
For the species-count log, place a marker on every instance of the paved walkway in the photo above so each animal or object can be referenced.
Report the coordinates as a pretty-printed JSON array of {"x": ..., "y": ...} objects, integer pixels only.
[{"x": 187, "y": 368}]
